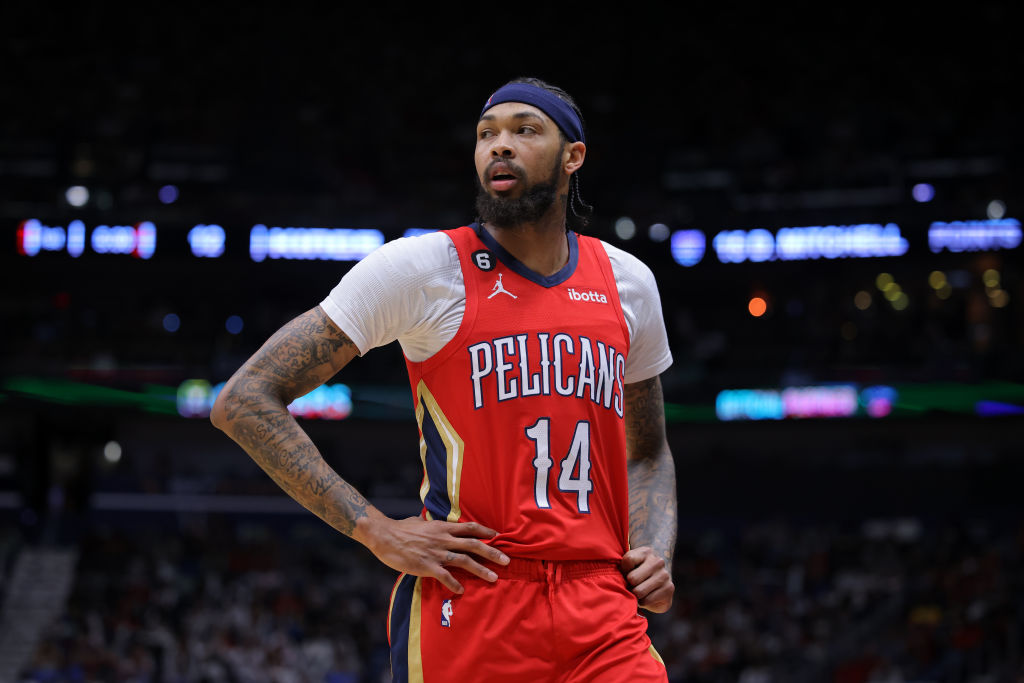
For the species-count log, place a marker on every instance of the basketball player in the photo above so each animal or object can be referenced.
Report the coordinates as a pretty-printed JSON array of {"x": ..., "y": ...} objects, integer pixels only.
[{"x": 534, "y": 354}]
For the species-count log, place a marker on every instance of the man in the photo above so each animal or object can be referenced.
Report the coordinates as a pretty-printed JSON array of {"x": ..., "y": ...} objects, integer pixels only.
[{"x": 549, "y": 508}]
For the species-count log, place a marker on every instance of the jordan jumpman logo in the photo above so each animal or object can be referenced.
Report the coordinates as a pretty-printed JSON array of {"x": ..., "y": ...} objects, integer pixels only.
[{"x": 500, "y": 289}]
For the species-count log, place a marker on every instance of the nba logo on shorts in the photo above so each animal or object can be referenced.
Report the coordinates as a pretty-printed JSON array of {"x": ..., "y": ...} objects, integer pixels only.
[{"x": 446, "y": 613}]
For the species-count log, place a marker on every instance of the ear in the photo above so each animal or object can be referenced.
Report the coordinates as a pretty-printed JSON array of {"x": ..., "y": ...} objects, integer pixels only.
[{"x": 572, "y": 157}]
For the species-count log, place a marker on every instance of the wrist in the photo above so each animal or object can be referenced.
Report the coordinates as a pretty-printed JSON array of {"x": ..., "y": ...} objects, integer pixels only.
[{"x": 370, "y": 528}]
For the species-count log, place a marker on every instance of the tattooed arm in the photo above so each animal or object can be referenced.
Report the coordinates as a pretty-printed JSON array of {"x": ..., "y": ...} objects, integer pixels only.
[
  {"x": 652, "y": 497},
  {"x": 252, "y": 410}
]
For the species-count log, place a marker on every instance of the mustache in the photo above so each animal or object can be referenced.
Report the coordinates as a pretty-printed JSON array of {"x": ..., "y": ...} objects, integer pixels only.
[{"x": 511, "y": 165}]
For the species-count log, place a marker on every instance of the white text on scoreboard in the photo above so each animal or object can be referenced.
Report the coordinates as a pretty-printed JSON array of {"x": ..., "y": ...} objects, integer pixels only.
[
  {"x": 325, "y": 244},
  {"x": 961, "y": 236},
  {"x": 825, "y": 401},
  {"x": 868, "y": 240},
  {"x": 137, "y": 240}
]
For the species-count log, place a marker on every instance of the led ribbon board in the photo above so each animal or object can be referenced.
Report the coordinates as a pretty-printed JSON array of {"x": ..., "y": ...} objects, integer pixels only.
[
  {"x": 827, "y": 401},
  {"x": 195, "y": 398},
  {"x": 325, "y": 244},
  {"x": 961, "y": 236},
  {"x": 867, "y": 240},
  {"x": 137, "y": 240}
]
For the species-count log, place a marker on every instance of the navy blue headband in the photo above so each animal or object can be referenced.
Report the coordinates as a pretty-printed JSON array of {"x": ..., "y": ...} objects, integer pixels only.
[{"x": 549, "y": 103}]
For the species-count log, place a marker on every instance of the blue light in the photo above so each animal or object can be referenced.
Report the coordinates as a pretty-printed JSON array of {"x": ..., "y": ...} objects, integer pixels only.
[
  {"x": 749, "y": 404},
  {"x": 138, "y": 240},
  {"x": 760, "y": 245},
  {"x": 234, "y": 324},
  {"x": 206, "y": 241},
  {"x": 76, "y": 238},
  {"x": 730, "y": 246},
  {"x": 416, "y": 232},
  {"x": 172, "y": 322},
  {"x": 812, "y": 242},
  {"x": 195, "y": 399},
  {"x": 168, "y": 194},
  {"x": 923, "y": 192},
  {"x": 987, "y": 235},
  {"x": 327, "y": 244},
  {"x": 878, "y": 400},
  {"x": 33, "y": 236},
  {"x": 992, "y": 408},
  {"x": 821, "y": 401},
  {"x": 688, "y": 247},
  {"x": 326, "y": 402}
]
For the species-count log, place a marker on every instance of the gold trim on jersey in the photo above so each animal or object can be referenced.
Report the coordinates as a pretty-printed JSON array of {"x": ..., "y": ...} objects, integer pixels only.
[
  {"x": 391, "y": 603},
  {"x": 454, "y": 446},
  {"x": 415, "y": 659},
  {"x": 657, "y": 657}
]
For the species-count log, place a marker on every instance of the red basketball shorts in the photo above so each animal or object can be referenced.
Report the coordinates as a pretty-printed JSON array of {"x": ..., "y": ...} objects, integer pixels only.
[{"x": 542, "y": 622}]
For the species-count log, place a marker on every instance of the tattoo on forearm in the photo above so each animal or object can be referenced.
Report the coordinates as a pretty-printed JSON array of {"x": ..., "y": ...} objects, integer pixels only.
[
  {"x": 296, "y": 359},
  {"x": 652, "y": 478}
]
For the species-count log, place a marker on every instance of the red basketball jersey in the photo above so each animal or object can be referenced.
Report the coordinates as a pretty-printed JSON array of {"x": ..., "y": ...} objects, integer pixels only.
[{"x": 521, "y": 413}]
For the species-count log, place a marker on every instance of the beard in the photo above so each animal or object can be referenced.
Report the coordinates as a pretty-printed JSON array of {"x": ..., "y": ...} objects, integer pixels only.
[{"x": 529, "y": 207}]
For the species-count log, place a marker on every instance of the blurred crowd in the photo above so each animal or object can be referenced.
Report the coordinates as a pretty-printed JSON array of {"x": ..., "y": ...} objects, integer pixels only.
[
  {"x": 889, "y": 602},
  {"x": 202, "y": 609},
  {"x": 886, "y": 601}
]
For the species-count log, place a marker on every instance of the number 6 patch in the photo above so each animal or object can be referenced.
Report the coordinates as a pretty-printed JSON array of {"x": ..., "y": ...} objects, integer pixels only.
[{"x": 483, "y": 259}]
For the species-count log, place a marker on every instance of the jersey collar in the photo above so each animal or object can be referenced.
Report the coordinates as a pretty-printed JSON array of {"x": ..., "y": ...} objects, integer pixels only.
[{"x": 516, "y": 266}]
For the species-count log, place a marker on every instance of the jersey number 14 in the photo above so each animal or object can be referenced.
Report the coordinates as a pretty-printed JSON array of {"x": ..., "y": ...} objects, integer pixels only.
[{"x": 574, "y": 475}]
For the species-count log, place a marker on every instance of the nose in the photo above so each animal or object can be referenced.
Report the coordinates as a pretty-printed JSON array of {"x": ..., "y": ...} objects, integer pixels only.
[{"x": 502, "y": 146}]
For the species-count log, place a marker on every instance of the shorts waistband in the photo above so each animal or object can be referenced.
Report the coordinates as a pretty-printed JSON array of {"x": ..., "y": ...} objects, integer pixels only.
[{"x": 526, "y": 569}]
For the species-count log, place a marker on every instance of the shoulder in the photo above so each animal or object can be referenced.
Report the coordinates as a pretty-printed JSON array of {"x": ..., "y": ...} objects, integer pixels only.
[
  {"x": 649, "y": 352},
  {"x": 400, "y": 267},
  {"x": 427, "y": 251}
]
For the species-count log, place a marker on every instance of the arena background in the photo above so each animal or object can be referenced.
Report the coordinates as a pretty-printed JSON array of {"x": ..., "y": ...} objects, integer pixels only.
[{"x": 848, "y": 460}]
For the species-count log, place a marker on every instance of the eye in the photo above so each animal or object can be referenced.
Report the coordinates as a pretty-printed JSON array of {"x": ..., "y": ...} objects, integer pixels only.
[
  {"x": 527, "y": 130},
  {"x": 485, "y": 133}
]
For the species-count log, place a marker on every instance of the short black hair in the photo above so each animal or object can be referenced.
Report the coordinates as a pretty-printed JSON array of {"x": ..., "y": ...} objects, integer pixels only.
[{"x": 578, "y": 212}]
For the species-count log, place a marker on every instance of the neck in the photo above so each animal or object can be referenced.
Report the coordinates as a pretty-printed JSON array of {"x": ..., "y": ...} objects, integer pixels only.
[{"x": 541, "y": 245}]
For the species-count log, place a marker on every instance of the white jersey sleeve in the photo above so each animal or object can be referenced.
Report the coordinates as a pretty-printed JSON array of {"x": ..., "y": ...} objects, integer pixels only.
[
  {"x": 409, "y": 289},
  {"x": 649, "y": 352}
]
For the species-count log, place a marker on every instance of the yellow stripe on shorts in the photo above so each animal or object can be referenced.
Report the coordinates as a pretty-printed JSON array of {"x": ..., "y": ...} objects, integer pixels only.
[{"x": 415, "y": 652}]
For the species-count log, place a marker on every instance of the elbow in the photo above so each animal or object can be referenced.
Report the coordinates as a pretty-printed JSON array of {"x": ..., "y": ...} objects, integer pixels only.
[
  {"x": 217, "y": 414},
  {"x": 234, "y": 403}
]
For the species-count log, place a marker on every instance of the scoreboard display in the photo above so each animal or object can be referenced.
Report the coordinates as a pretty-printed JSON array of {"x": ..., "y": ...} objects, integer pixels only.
[{"x": 222, "y": 268}]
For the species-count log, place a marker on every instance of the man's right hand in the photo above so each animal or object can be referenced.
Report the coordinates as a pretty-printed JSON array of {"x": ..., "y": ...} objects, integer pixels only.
[{"x": 425, "y": 548}]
